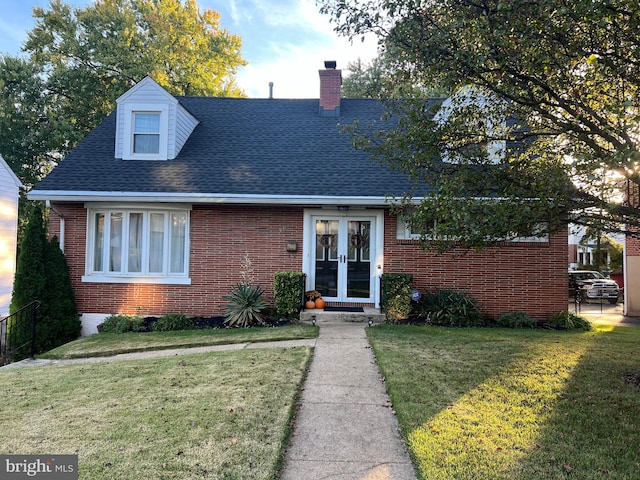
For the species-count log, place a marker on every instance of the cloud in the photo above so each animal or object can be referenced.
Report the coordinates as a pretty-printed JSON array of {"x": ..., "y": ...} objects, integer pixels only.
[{"x": 286, "y": 42}]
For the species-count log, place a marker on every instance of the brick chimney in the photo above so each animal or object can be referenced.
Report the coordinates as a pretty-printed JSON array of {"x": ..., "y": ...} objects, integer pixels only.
[{"x": 330, "y": 82}]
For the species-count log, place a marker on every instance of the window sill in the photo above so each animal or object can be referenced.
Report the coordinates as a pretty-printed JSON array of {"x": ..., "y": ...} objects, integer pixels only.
[{"x": 132, "y": 279}]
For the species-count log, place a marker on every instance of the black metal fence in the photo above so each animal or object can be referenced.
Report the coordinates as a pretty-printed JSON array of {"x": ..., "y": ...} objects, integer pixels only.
[{"x": 18, "y": 334}]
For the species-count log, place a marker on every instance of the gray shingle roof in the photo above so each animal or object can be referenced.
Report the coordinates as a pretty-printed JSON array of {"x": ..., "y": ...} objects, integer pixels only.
[{"x": 269, "y": 147}]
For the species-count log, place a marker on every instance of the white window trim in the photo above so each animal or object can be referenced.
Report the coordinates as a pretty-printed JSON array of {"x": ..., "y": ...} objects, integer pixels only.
[
  {"x": 403, "y": 232},
  {"x": 141, "y": 278},
  {"x": 130, "y": 109}
]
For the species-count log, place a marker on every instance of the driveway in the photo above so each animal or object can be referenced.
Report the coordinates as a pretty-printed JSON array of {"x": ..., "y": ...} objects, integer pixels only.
[{"x": 604, "y": 312}]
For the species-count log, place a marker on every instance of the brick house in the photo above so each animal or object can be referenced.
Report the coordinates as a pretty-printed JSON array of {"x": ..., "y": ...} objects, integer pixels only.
[{"x": 162, "y": 201}]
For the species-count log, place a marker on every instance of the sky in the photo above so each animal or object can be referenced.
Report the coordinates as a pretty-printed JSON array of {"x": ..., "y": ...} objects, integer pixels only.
[{"x": 284, "y": 41}]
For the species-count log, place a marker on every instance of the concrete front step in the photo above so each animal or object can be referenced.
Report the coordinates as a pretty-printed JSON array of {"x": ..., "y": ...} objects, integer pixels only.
[{"x": 321, "y": 316}]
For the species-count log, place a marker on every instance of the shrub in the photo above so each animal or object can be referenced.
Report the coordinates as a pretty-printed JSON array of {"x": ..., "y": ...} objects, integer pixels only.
[
  {"x": 42, "y": 274},
  {"x": 173, "y": 321},
  {"x": 451, "y": 308},
  {"x": 245, "y": 305},
  {"x": 568, "y": 321},
  {"x": 517, "y": 319},
  {"x": 396, "y": 296},
  {"x": 288, "y": 289},
  {"x": 120, "y": 323}
]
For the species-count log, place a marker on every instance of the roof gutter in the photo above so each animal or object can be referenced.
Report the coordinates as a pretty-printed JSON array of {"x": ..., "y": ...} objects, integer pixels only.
[{"x": 89, "y": 196}]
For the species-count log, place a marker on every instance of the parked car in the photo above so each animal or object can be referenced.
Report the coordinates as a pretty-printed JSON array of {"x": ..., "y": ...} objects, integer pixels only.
[{"x": 593, "y": 286}]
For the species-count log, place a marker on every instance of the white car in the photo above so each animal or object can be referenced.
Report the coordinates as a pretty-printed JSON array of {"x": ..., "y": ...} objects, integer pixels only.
[{"x": 593, "y": 285}]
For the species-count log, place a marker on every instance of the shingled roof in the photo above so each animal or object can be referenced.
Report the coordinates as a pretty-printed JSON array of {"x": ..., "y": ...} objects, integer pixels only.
[{"x": 242, "y": 149}]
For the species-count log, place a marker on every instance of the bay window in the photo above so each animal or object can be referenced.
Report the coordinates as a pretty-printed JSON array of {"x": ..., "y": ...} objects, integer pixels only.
[{"x": 137, "y": 245}]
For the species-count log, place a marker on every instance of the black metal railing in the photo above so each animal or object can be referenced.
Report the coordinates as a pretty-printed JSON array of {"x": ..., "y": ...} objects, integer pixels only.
[{"x": 18, "y": 334}]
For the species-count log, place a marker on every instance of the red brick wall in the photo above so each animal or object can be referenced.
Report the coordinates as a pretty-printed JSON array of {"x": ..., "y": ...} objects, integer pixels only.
[
  {"x": 220, "y": 238},
  {"x": 632, "y": 246},
  {"x": 517, "y": 276}
]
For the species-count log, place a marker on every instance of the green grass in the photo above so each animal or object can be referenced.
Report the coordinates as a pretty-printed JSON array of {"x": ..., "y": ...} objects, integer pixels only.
[
  {"x": 510, "y": 404},
  {"x": 108, "y": 344},
  {"x": 219, "y": 415}
]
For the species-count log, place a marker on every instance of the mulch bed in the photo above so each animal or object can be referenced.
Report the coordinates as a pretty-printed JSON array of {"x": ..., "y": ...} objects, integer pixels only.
[{"x": 201, "y": 323}]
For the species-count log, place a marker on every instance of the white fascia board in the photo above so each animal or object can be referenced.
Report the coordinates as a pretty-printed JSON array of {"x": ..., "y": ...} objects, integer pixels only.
[
  {"x": 13, "y": 176},
  {"x": 67, "y": 196}
]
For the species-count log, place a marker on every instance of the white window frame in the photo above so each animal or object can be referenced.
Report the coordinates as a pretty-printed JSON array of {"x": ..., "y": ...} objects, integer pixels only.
[
  {"x": 130, "y": 111},
  {"x": 144, "y": 276},
  {"x": 403, "y": 232}
]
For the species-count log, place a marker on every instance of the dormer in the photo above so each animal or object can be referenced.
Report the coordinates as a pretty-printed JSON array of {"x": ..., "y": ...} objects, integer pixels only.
[
  {"x": 485, "y": 115},
  {"x": 151, "y": 124}
]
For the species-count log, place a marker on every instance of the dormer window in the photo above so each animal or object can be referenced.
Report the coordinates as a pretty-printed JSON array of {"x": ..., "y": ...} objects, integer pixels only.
[
  {"x": 147, "y": 127},
  {"x": 146, "y": 133},
  {"x": 151, "y": 124}
]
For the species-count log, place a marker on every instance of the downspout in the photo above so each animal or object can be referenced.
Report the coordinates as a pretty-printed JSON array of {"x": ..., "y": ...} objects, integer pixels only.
[{"x": 61, "y": 238}]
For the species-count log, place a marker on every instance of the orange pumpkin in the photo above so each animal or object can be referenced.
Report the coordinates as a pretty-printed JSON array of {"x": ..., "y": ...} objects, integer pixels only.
[
  {"x": 310, "y": 304},
  {"x": 319, "y": 303}
]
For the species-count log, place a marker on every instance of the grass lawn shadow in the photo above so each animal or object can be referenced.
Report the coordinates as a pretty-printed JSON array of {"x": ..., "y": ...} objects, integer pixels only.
[{"x": 496, "y": 403}]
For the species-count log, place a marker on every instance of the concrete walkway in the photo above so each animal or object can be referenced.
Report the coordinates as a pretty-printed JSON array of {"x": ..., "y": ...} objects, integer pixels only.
[{"x": 345, "y": 428}]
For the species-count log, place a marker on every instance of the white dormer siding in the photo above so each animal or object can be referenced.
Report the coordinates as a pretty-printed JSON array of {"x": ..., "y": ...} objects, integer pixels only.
[
  {"x": 175, "y": 122},
  {"x": 482, "y": 104}
]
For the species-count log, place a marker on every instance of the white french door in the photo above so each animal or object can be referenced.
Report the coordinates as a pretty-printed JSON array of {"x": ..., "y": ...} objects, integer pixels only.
[{"x": 343, "y": 257}]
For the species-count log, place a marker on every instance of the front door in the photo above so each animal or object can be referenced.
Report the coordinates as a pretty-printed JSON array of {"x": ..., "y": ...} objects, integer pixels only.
[{"x": 343, "y": 258}]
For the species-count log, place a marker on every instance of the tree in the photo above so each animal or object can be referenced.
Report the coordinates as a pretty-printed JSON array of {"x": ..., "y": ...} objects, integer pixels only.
[
  {"x": 79, "y": 61},
  {"x": 382, "y": 78},
  {"x": 42, "y": 274},
  {"x": 30, "y": 282},
  {"x": 564, "y": 75},
  {"x": 58, "y": 321}
]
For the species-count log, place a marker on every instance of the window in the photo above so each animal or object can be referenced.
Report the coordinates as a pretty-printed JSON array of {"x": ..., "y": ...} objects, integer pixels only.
[
  {"x": 146, "y": 132},
  {"x": 405, "y": 231},
  {"x": 137, "y": 245}
]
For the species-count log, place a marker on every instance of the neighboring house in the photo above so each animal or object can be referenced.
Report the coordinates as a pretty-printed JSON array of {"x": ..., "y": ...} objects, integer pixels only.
[
  {"x": 9, "y": 193},
  {"x": 164, "y": 199},
  {"x": 582, "y": 253}
]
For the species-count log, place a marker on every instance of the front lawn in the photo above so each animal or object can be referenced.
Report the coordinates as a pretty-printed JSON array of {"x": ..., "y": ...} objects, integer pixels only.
[
  {"x": 107, "y": 344},
  {"x": 219, "y": 415},
  {"x": 514, "y": 404}
]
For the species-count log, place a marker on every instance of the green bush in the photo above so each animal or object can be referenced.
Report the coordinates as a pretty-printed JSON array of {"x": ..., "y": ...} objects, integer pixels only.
[
  {"x": 172, "y": 322},
  {"x": 42, "y": 274},
  {"x": 245, "y": 306},
  {"x": 288, "y": 291},
  {"x": 568, "y": 321},
  {"x": 396, "y": 296},
  {"x": 120, "y": 323},
  {"x": 451, "y": 308},
  {"x": 517, "y": 319}
]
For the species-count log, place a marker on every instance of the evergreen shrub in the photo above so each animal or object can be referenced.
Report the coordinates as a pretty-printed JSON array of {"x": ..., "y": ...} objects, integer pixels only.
[
  {"x": 517, "y": 319},
  {"x": 451, "y": 308},
  {"x": 288, "y": 291},
  {"x": 121, "y": 323},
  {"x": 42, "y": 274},
  {"x": 396, "y": 296},
  {"x": 172, "y": 322}
]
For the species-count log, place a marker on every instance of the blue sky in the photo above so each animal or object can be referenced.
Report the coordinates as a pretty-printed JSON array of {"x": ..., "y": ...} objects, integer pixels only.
[{"x": 285, "y": 41}]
